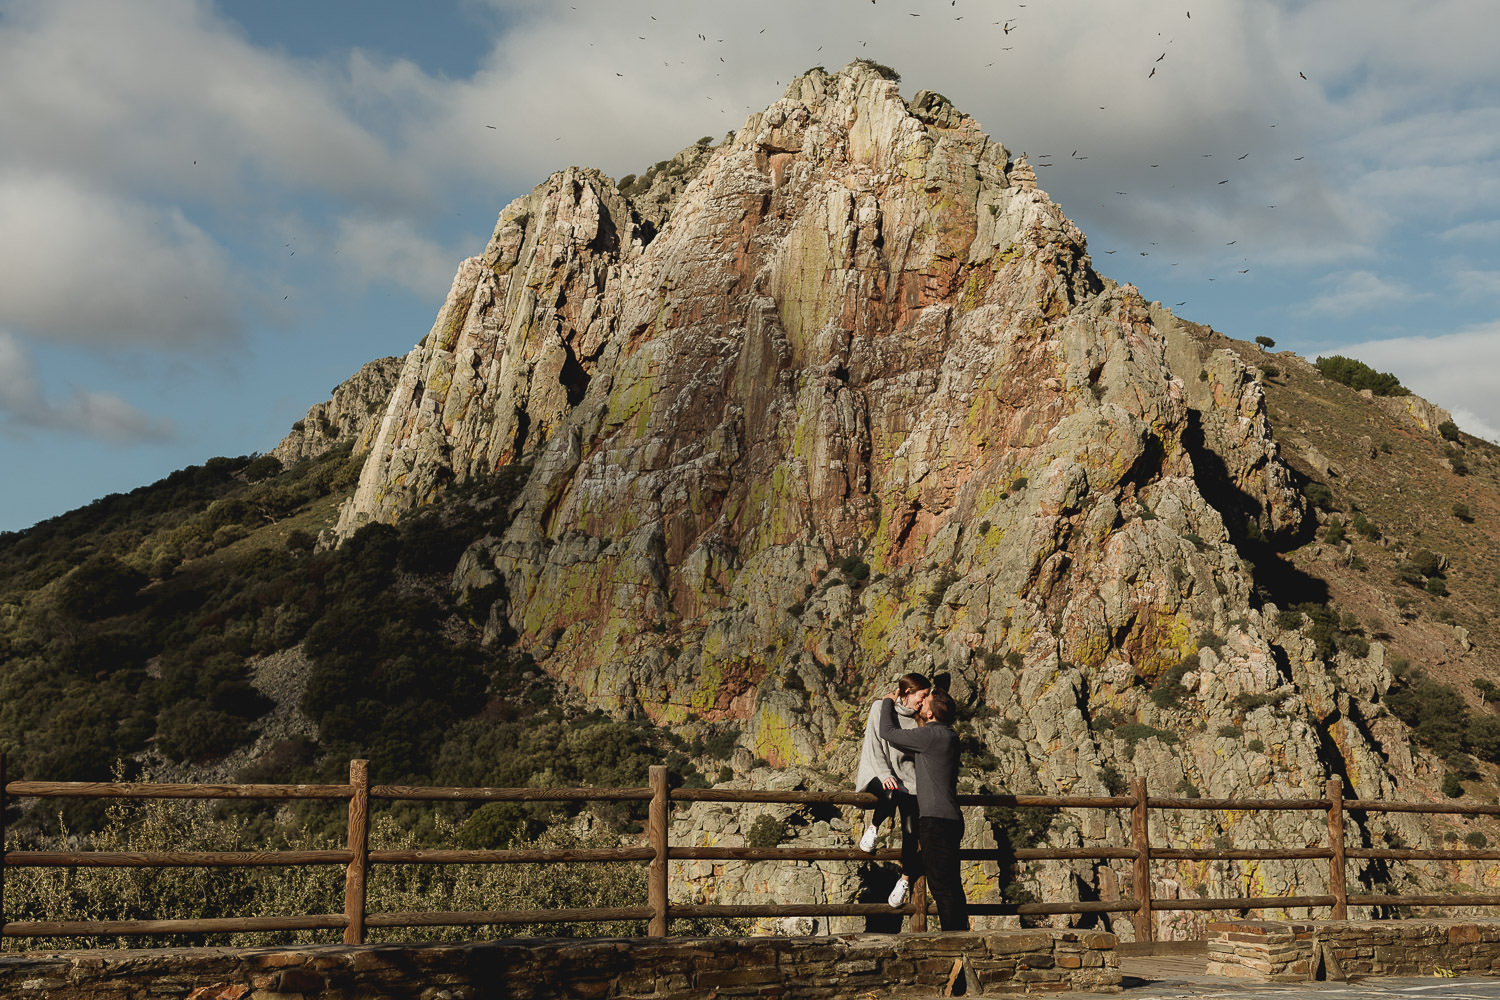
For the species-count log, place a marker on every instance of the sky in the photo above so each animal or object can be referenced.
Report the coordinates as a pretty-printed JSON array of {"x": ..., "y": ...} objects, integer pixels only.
[{"x": 212, "y": 212}]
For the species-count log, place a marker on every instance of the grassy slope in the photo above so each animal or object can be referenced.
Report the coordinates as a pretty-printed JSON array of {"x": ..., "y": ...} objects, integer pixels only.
[{"x": 1408, "y": 492}]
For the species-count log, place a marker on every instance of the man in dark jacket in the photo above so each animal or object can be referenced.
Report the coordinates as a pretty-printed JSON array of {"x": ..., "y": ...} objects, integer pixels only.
[{"x": 940, "y": 824}]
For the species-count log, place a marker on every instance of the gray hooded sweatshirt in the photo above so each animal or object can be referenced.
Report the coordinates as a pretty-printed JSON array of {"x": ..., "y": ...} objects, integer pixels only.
[{"x": 879, "y": 760}]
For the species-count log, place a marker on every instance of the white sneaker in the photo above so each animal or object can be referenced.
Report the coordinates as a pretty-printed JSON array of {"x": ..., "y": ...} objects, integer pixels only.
[
  {"x": 867, "y": 840},
  {"x": 898, "y": 894}
]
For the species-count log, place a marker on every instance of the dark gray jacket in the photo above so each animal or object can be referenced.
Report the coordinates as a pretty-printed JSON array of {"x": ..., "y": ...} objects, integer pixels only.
[{"x": 936, "y": 747}]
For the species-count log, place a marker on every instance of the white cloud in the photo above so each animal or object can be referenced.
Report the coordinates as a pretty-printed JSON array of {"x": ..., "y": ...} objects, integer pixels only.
[
  {"x": 1482, "y": 231},
  {"x": 1358, "y": 291},
  {"x": 1471, "y": 283},
  {"x": 86, "y": 412},
  {"x": 87, "y": 267},
  {"x": 1454, "y": 370},
  {"x": 163, "y": 97},
  {"x": 383, "y": 250}
]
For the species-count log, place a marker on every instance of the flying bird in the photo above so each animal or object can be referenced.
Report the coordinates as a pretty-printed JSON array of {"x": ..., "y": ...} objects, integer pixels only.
[
  {"x": 1302, "y": 74},
  {"x": 1152, "y": 73},
  {"x": 1161, "y": 57},
  {"x": 1224, "y": 181},
  {"x": 1242, "y": 157}
]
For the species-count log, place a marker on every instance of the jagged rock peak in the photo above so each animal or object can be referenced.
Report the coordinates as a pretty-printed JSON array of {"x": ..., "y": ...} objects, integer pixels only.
[{"x": 351, "y": 414}]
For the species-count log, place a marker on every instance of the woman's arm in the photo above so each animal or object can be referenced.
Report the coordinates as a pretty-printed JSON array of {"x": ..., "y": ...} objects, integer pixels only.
[{"x": 875, "y": 752}]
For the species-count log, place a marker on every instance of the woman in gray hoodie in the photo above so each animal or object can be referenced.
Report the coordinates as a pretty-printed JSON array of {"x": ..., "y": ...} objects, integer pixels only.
[{"x": 889, "y": 773}]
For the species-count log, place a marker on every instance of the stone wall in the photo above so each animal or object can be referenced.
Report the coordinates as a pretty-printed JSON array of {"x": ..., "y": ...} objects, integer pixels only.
[
  {"x": 822, "y": 968},
  {"x": 1295, "y": 951}
]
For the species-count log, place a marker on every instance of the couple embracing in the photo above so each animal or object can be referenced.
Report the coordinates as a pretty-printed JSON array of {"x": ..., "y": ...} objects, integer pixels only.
[{"x": 909, "y": 760}]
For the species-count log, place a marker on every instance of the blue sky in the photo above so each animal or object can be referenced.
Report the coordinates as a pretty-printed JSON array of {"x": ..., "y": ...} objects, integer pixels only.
[{"x": 211, "y": 213}]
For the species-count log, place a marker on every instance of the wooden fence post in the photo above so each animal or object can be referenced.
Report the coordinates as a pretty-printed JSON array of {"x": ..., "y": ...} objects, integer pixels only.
[
  {"x": 656, "y": 832},
  {"x": 2, "y": 842},
  {"x": 1140, "y": 839},
  {"x": 359, "y": 844},
  {"x": 919, "y": 901},
  {"x": 1337, "y": 886}
]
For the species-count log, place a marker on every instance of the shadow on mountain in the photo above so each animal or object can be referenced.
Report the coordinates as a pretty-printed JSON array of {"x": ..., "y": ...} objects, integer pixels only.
[{"x": 1275, "y": 579}]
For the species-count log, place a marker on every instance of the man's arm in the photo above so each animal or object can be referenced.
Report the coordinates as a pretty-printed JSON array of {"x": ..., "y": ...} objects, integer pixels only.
[{"x": 915, "y": 740}]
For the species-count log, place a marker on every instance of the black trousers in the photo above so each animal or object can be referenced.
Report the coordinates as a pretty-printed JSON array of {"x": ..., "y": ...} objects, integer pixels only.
[
  {"x": 940, "y": 840},
  {"x": 889, "y": 805}
]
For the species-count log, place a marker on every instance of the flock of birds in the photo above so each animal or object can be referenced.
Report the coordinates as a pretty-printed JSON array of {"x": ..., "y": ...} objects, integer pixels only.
[{"x": 1009, "y": 26}]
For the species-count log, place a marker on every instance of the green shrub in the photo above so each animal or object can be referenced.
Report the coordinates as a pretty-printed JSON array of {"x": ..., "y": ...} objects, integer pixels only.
[
  {"x": 1255, "y": 746},
  {"x": 855, "y": 568},
  {"x": 1319, "y": 495},
  {"x": 766, "y": 831},
  {"x": 1435, "y": 712},
  {"x": 1133, "y": 732},
  {"x": 1462, "y": 512},
  {"x": 102, "y": 586},
  {"x": 1334, "y": 533},
  {"x": 1477, "y": 840},
  {"x": 1452, "y": 785},
  {"x": 1248, "y": 701},
  {"x": 1358, "y": 375},
  {"x": 1289, "y": 619},
  {"x": 1365, "y": 526},
  {"x": 881, "y": 69},
  {"x": 1114, "y": 783},
  {"x": 1168, "y": 691},
  {"x": 264, "y": 467},
  {"x": 1482, "y": 737},
  {"x": 1448, "y": 430},
  {"x": 1270, "y": 371},
  {"x": 1231, "y": 732},
  {"x": 1437, "y": 587},
  {"x": 1354, "y": 645},
  {"x": 935, "y": 596},
  {"x": 1265, "y": 342}
]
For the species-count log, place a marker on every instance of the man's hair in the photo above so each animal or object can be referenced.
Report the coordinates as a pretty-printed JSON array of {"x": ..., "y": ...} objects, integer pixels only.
[
  {"x": 942, "y": 706},
  {"x": 912, "y": 682}
]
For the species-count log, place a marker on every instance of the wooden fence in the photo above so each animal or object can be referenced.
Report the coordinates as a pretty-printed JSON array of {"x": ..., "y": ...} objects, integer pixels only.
[{"x": 357, "y": 857}]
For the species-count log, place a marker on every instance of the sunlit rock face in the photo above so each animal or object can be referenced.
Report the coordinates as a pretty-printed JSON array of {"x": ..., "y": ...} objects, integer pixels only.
[{"x": 854, "y": 402}]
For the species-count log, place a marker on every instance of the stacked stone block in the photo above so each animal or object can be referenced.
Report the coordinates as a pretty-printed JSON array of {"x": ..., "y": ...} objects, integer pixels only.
[
  {"x": 1295, "y": 951},
  {"x": 827, "y": 968}
]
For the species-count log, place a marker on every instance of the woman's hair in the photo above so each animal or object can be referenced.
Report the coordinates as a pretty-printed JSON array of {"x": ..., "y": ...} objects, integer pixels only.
[
  {"x": 942, "y": 706},
  {"x": 912, "y": 682}
]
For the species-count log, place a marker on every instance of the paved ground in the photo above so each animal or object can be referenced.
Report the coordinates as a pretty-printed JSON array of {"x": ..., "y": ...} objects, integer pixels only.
[{"x": 1169, "y": 977}]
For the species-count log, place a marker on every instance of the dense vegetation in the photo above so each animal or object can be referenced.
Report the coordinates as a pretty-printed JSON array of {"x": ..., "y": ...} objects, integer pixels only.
[
  {"x": 130, "y": 627},
  {"x": 1358, "y": 375}
]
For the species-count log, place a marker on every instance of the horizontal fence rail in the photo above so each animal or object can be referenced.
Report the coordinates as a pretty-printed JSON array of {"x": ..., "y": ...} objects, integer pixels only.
[{"x": 357, "y": 857}]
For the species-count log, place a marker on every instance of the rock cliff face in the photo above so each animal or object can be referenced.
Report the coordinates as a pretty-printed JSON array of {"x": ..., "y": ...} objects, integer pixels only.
[
  {"x": 352, "y": 414},
  {"x": 856, "y": 403}
]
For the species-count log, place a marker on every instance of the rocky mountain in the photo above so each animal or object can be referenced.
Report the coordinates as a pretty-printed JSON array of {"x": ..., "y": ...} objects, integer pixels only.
[
  {"x": 842, "y": 397},
  {"x": 349, "y": 416}
]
